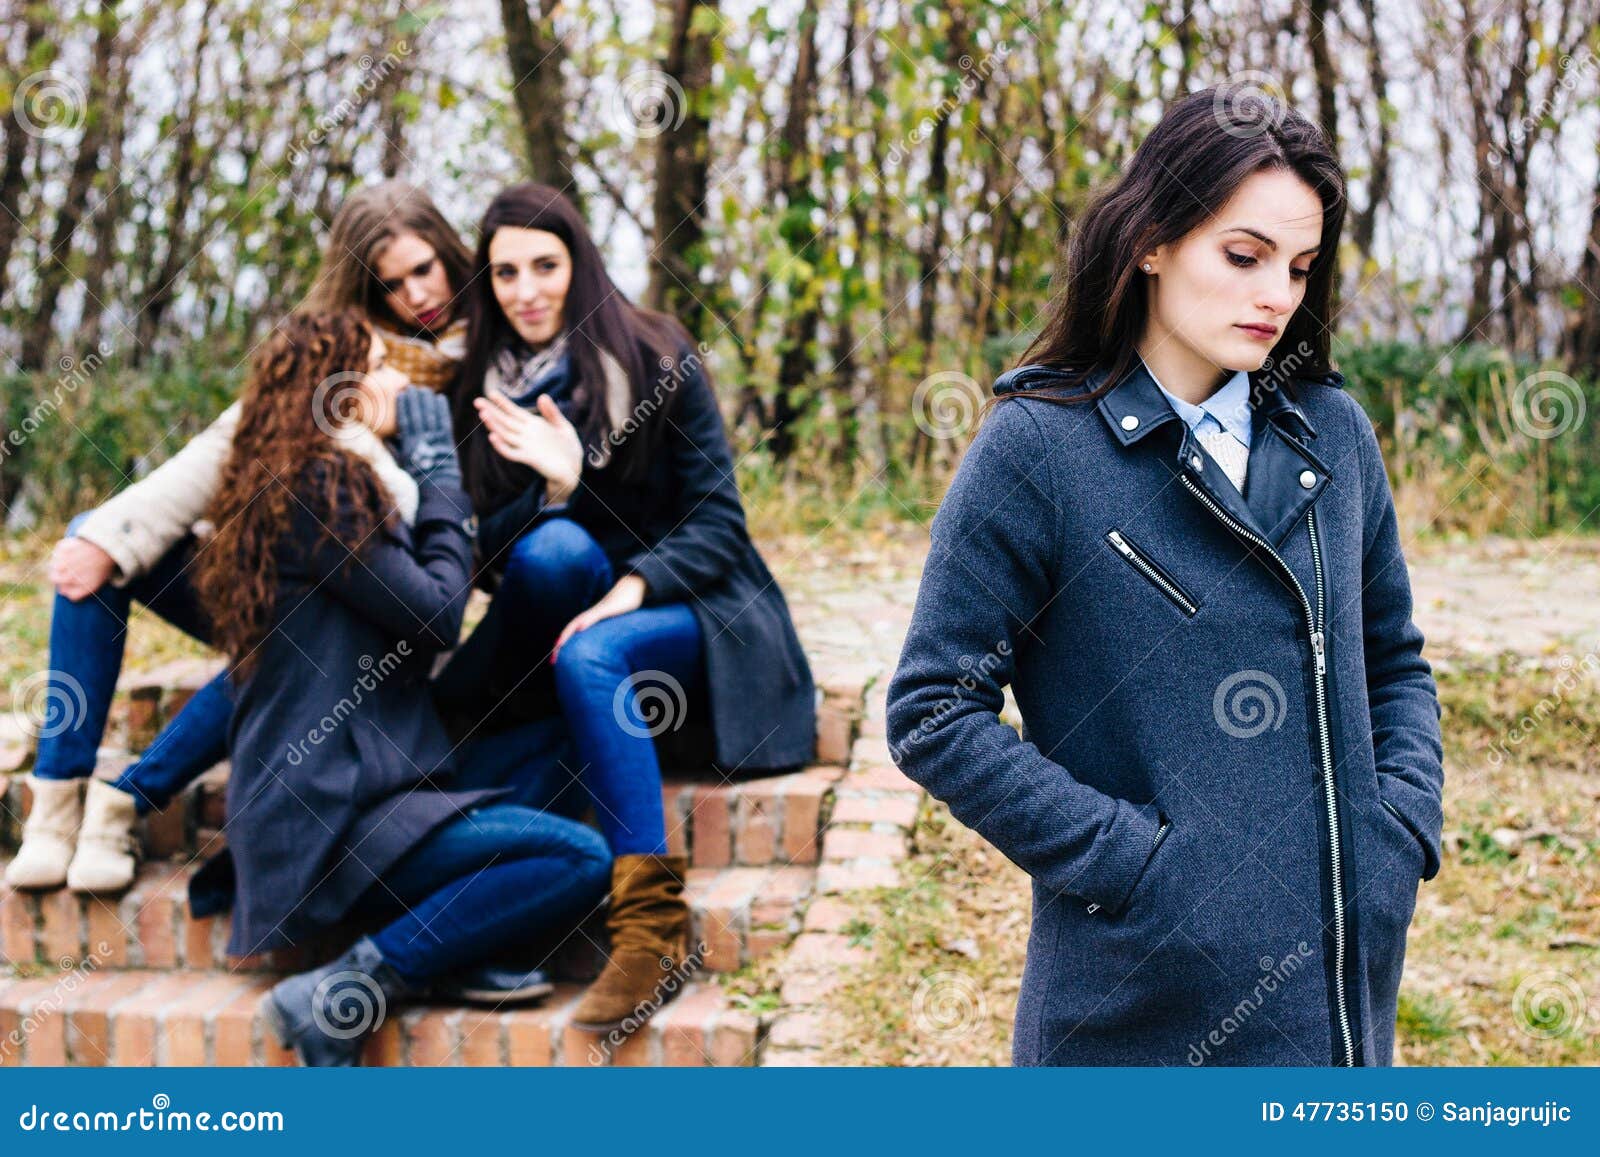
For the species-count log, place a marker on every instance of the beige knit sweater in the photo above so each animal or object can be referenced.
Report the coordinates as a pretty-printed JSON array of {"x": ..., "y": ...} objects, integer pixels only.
[{"x": 140, "y": 524}]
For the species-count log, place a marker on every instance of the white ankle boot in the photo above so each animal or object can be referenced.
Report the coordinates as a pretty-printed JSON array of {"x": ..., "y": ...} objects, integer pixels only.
[
  {"x": 108, "y": 850},
  {"x": 49, "y": 835}
]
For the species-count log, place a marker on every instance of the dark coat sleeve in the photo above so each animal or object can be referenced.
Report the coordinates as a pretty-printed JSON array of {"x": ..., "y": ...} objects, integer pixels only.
[
  {"x": 500, "y": 528},
  {"x": 1400, "y": 689},
  {"x": 992, "y": 569},
  {"x": 417, "y": 593},
  {"x": 708, "y": 536}
]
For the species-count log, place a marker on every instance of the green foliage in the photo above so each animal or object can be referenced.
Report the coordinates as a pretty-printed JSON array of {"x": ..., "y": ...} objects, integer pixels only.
[
  {"x": 78, "y": 441},
  {"x": 1504, "y": 444}
]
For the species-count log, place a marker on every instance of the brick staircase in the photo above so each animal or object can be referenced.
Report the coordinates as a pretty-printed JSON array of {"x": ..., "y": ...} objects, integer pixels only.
[{"x": 136, "y": 980}]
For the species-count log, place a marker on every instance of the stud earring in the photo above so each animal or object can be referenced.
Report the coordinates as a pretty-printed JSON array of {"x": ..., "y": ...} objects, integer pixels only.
[{"x": 1146, "y": 267}]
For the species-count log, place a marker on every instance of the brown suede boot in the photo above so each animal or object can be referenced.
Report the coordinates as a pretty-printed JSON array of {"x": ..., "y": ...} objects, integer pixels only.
[{"x": 649, "y": 924}]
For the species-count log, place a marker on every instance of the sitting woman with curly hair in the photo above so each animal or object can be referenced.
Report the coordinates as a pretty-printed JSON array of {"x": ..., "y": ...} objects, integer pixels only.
[{"x": 334, "y": 580}]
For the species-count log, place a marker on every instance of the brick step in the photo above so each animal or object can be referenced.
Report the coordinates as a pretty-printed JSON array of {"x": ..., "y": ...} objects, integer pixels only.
[
  {"x": 209, "y": 1018},
  {"x": 146, "y": 701},
  {"x": 740, "y": 914},
  {"x": 773, "y": 820}
]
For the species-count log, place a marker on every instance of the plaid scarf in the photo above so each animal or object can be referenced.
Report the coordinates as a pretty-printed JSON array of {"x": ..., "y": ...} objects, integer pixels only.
[
  {"x": 428, "y": 363},
  {"x": 522, "y": 374}
]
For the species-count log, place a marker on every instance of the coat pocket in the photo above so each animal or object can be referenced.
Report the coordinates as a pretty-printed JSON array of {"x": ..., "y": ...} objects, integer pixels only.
[
  {"x": 1147, "y": 566},
  {"x": 1394, "y": 814}
]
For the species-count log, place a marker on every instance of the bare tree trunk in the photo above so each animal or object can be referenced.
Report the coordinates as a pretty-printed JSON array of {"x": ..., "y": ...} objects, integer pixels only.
[
  {"x": 795, "y": 363},
  {"x": 930, "y": 257},
  {"x": 846, "y": 375},
  {"x": 535, "y": 54},
  {"x": 112, "y": 210},
  {"x": 1364, "y": 228},
  {"x": 1322, "y": 67},
  {"x": 683, "y": 160},
  {"x": 19, "y": 144},
  {"x": 187, "y": 175},
  {"x": 53, "y": 270}
]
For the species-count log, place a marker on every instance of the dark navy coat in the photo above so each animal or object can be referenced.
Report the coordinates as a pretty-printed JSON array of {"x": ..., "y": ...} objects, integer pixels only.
[
  {"x": 681, "y": 528},
  {"x": 1191, "y": 667},
  {"x": 339, "y": 758}
]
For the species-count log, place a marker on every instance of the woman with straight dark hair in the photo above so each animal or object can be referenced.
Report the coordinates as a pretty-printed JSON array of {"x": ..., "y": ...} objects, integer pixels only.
[
  {"x": 1174, "y": 538},
  {"x": 628, "y": 595}
]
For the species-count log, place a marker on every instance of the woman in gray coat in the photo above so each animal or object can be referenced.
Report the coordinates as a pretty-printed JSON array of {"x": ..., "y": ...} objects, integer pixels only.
[
  {"x": 341, "y": 801},
  {"x": 1174, "y": 538}
]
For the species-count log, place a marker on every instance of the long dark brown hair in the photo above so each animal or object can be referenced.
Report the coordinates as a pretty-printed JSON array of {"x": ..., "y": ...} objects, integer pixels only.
[
  {"x": 287, "y": 455},
  {"x": 597, "y": 316},
  {"x": 1197, "y": 156}
]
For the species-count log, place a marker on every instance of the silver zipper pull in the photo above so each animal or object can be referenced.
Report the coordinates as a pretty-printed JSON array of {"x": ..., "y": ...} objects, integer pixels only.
[
  {"x": 1121, "y": 544},
  {"x": 1318, "y": 650}
]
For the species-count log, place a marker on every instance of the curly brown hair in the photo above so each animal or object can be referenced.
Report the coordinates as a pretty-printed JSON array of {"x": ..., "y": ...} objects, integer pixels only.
[{"x": 287, "y": 456}]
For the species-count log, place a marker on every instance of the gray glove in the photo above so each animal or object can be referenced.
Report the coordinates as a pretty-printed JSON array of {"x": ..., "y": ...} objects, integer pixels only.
[{"x": 427, "y": 441}]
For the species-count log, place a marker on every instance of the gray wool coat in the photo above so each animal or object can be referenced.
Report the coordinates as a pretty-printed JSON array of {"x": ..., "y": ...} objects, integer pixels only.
[{"x": 1228, "y": 781}]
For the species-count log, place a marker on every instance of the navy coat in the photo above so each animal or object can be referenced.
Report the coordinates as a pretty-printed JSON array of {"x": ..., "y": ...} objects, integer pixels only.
[
  {"x": 1229, "y": 777},
  {"x": 339, "y": 758},
  {"x": 681, "y": 528}
]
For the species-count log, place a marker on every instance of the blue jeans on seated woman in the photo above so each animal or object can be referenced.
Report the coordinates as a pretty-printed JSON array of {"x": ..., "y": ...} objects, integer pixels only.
[
  {"x": 493, "y": 877},
  {"x": 87, "y": 639},
  {"x": 618, "y": 684}
]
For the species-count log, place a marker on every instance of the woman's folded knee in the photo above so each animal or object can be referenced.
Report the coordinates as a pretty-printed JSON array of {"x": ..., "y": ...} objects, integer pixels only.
[{"x": 555, "y": 551}]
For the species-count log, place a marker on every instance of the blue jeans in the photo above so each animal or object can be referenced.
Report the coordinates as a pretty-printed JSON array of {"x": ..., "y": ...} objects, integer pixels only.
[
  {"x": 495, "y": 876},
  {"x": 87, "y": 639},
  {"x": 618, "y": 684}
]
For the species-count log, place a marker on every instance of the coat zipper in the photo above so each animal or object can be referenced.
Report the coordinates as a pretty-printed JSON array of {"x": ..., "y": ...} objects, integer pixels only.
[
  {"x": 1314, "y": 625},
  {"x": 1150, "y": 571}
]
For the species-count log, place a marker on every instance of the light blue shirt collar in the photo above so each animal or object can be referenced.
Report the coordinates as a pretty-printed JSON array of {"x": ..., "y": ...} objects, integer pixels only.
[{"x": 1229, "y": 407}]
